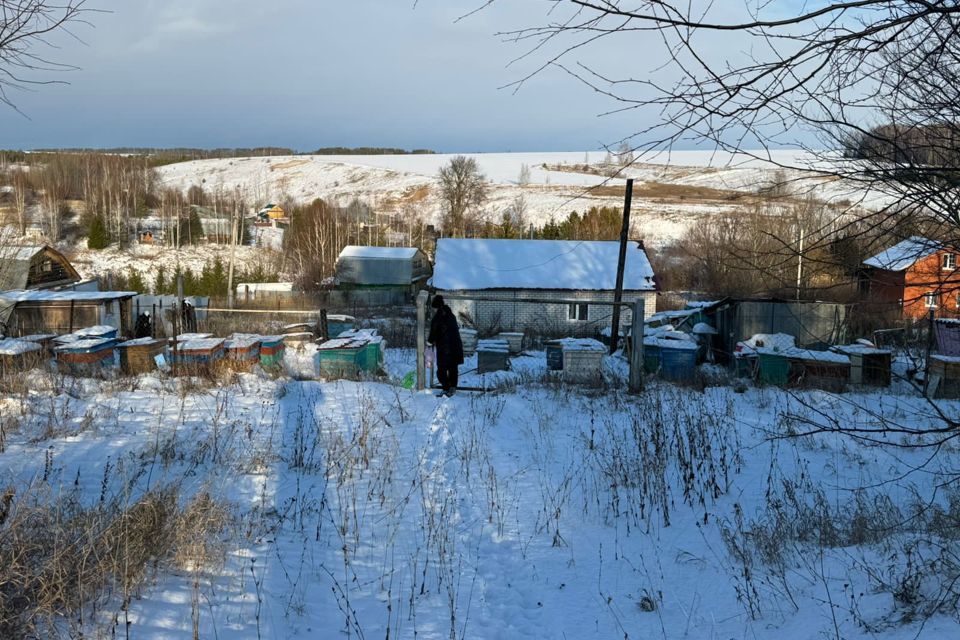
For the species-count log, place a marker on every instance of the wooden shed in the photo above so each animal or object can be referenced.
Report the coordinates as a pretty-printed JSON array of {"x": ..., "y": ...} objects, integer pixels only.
[{"x": 26, "y": 312}]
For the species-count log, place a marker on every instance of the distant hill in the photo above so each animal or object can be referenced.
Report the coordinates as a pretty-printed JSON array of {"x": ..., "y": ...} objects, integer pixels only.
[{"x": 367, "y": 151}]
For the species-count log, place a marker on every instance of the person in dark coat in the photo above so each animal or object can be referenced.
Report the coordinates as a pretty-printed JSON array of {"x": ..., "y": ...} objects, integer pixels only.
[{"x": 445, "y": 338}]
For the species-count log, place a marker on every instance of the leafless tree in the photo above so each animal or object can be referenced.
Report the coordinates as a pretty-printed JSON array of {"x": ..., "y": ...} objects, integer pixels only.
[
  {"x": 524, "y": 178},
  {"x": 872, "y": 82},
  {"x": 26, "y": 27},
  {"x": 20, "y": 183},
  {"x": 463, "y": 190}
]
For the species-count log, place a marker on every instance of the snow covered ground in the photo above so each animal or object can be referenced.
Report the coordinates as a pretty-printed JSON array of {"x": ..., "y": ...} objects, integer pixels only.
[
  {"x": 557, "y": 186},
  {"x": 361, "y": 509},
  {"x": 147, "y": 259}
]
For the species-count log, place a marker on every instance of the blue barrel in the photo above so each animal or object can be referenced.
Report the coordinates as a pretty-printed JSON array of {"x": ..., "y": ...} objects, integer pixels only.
[
  {"x": 651, "y": 358},
  {"x": 677, "y": 365}
]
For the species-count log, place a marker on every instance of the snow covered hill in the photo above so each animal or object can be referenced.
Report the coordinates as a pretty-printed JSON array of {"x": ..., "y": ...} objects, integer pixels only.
[{"x": 702, "y": 183}]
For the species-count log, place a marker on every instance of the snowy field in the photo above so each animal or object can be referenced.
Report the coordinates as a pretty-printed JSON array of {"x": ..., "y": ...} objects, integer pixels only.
[
  {"x": 364, "y": 510},
  {"x": 147, "y": 259},
  {"x": 559, "y": 183}
]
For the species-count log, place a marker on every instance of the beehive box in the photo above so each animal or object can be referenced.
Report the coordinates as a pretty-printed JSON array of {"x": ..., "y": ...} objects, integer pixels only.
[
  {"x": 868, "y": 365},
  {"x": 341, "y": 357},
  {"x": 582, "y": 360},
  {"x": 469, "y": 339},
  {"x": 271, "y": 351},
  {"x": 198, "y": 356},
  {"x": 19, "y": 355},
  {"x": 943, "y": 377},
  {"x": 139, "y": 355},
  {"x": 100, "y": 331},
  {"x": 492, "y": 355},
  {"x": 514, "y": 341},
  {"x": 242, "y": 352},
  {"x": 554, "y": 354},
  {"x": 187, "y": 337},
  {"x": 818, "y": 369},
  {"x": 86, "y": 357},
  {"x": 338, "y": 323}
]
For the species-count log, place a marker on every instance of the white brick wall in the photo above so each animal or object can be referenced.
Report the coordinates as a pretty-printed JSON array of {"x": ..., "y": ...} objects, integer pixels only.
[{"x": 546, "y": 319}]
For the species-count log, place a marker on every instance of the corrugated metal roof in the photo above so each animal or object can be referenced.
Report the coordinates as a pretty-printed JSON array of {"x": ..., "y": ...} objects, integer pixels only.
[
  {"x": 41, "y": 295},
  {"x": 474, "y": 264},
  {"x": 905, "y": 254},
  {"x": 383, "y": 253}
]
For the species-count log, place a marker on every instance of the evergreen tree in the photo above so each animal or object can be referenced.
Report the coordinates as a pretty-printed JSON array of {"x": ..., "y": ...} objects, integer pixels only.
[
  {"x": 97, "y": 235},
  {"x": 160, "y": 283},
  {"x": 135, "y": 281}
]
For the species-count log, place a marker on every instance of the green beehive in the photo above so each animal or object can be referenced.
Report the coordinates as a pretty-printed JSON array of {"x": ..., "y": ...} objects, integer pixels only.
[{"x": 774, "y": 368}]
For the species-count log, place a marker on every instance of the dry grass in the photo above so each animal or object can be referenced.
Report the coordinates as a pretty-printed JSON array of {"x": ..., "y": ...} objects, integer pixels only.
[
  {"x": 61, "y": 561},
  {"x": 664, "y": 192}
]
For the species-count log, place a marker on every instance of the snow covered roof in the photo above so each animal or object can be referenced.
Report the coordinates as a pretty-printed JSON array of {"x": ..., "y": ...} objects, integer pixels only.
[
  {"x": 64, "y": 296},
  {"x": 255, "y": 287},
  {"x": 464, "y": 264},
  {"x": 381, "y": 253},
  {"x": 903, "y": 255}
]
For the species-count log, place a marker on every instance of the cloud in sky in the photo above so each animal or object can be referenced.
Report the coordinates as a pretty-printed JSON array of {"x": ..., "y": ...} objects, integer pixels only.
[{"x": 308, "y": 74}]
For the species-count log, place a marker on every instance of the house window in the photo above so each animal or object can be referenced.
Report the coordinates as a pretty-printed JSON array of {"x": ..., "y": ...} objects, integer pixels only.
[
  {"x": 930, "y": 300},
  {"x": 46, "y": 266},
  {"x": 577, "y": 312},
  {"x": 949, "y": 261}
]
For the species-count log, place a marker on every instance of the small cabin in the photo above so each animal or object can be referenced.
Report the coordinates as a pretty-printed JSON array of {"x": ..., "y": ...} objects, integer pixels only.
[{"x": 35, "y": 267}]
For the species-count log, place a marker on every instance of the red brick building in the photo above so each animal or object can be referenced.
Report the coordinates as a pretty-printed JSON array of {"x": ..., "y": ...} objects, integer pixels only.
[{"x": 915, "y": 275}]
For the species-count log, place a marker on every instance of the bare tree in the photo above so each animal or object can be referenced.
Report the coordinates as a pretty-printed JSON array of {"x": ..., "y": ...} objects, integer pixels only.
[
  {"x": 868, "y": 79},
  {"x": 25, "y": 29},
  {"x": 21, "y": 188},
  {"x": 463, "y": 189},
  {"x": 524, "y": 178}
]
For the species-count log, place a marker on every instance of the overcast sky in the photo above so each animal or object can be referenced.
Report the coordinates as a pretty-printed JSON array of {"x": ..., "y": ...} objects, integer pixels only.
[{"x": 305, "y": 74}]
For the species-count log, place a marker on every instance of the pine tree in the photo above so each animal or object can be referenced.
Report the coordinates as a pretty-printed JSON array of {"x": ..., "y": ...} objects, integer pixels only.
[
  {"x": 160, "y": 283},
  {"x": 97, "y": 235},
  {"x": 135, "y": 281}
]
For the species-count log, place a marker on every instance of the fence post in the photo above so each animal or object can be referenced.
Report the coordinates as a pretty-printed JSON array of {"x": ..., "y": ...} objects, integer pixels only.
[
  {"x": 635, "y": 382},
  {"x": 421, "y": 339},
  {"x": 931, "y": 337}
]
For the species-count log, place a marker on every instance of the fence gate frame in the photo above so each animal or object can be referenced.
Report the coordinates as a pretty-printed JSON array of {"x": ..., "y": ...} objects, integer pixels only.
[{"x": 635, "y": 379}]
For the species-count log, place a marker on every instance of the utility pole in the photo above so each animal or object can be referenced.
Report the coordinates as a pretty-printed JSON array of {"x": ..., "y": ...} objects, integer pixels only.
[
  {"x": 621, "y": 264},
  {"x": 800, "y": 263},
  {"x": 233, "y": 250}
]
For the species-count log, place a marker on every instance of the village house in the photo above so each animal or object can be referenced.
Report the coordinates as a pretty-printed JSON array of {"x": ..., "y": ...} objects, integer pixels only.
[
  {"x": 914, "y": 276},
  {"x": 35, "y": 267},
  {"x": 552, "y": 269}
]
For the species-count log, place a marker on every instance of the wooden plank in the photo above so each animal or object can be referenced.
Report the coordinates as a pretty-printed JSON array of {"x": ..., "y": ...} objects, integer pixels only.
[{"x": 421, "y": 340}]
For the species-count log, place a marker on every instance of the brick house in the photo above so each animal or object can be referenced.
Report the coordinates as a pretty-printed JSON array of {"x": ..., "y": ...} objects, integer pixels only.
[
  {"x": 552, "y": 269},
  {"x": 914, "y": 276}
]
